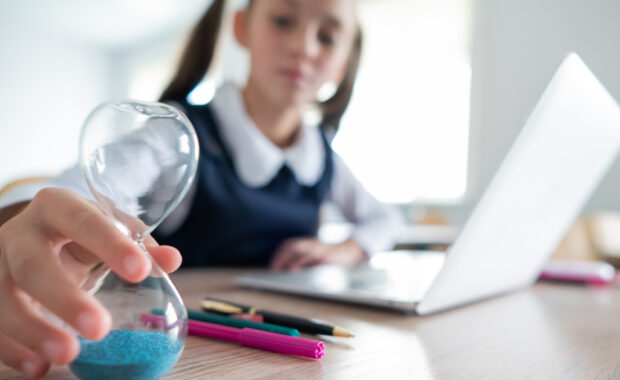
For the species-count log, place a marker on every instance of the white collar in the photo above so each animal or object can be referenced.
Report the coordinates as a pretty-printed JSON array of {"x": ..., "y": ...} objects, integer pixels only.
[{"x": 256, "y": 159}]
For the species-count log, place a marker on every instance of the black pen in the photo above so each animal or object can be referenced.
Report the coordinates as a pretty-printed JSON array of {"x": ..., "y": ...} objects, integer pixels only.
[{"x": 301, "y": 324}]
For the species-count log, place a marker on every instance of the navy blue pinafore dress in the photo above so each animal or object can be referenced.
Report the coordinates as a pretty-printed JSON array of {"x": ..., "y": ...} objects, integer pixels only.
[{"x": 231, "y": 224}]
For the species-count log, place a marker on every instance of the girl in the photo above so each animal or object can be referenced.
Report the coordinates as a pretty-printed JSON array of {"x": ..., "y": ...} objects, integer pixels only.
[
  {"x": 263, "y": 173},
  {"x": 263, "y": 176}
]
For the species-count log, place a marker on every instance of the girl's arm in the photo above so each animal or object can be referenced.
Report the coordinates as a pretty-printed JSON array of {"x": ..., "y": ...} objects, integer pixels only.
[
  {"x": 375, "y": 228},
  {"x": 46, "y": 246},
  {"x": 375, "y": 224}
]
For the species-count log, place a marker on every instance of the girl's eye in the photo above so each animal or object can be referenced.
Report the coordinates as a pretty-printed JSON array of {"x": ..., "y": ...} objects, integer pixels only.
[
  {"x": 282, "y": 22},
  {"x": 326, "y": 39}
]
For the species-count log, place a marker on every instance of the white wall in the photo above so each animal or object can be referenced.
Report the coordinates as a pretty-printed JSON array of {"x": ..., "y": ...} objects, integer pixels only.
[
  {"x": 60, "y": 59},
  {"x": 517, "y": 45},
  {"x": 47, "y": 90}
]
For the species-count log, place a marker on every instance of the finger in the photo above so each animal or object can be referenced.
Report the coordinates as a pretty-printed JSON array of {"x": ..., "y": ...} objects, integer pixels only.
[
  {"x": 288, "y": 259},
  {"x": 342, "y": 258},
  {"x": 77, "y": 262},
  {"x": 285, "y": 252},
  {"x": 168, "y": 258},
  {"x": 306, "y": 259},
  {"x": 81, "y": 255},
  {"x": 22, "y": 324},
  {"x": 280, "y": 258},
  {"x": 69, "y": 216},
  {"x": 22, "y": 359},
  {"x": 150, "y": 241},
  {"x": 39, "y": 272},
  {"x": 291, "y": 252}
]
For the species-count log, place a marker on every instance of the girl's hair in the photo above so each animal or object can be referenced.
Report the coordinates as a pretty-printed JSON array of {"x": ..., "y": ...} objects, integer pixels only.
[{"x": 198, "y": 55}]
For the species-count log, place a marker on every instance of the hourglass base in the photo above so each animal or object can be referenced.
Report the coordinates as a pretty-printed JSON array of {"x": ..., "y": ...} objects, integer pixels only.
[{"x": 127, "y": 354}]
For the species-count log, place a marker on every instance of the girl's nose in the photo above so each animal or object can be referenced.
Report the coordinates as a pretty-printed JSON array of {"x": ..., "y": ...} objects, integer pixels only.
[{"x": 304, "y": 42}]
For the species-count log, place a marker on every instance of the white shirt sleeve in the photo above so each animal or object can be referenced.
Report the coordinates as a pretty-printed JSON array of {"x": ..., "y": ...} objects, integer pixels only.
[
  {"x": 375, "y": 224},
  {"x": 71, "y": 179}
]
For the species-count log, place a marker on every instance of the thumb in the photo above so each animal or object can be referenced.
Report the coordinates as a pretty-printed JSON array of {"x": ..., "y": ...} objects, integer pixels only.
[{"x": 167, "y": 258}]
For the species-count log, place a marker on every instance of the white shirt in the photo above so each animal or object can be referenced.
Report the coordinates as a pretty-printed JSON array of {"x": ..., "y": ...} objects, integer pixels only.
[{"x": 257, "y": 161}]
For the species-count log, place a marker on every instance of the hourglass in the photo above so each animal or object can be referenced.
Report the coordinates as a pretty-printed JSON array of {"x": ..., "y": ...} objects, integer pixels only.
[{"x": 139, "y": 159}]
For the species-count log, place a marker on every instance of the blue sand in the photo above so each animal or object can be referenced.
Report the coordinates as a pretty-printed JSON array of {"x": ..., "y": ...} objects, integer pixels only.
[{"x": 127, "y": 354}]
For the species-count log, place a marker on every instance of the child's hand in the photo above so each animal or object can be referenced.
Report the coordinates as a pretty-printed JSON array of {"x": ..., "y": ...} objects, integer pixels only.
[
  {"x": 302, "y": 252},
  {"x": 45, "y": 250}
]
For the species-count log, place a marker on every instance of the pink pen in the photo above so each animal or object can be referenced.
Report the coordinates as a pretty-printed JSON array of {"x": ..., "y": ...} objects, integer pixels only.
[{"x": 264, "y": 340}]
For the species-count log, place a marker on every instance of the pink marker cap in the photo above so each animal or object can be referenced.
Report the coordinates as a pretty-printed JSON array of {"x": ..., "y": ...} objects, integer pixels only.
[{"x": 283, "y": 344}]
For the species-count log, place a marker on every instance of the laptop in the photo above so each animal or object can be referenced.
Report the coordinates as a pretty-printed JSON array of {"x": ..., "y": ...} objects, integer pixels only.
[{"x": 565, "y": 148}]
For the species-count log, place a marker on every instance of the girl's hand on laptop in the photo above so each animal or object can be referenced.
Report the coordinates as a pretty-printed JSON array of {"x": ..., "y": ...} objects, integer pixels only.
[
  {"x": 296, "y": 253},
  {"x": 46, "y": 249}
]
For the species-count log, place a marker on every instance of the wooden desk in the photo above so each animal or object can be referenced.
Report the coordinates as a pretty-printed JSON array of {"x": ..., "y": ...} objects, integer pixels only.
[{"x": 547, "y": 332}]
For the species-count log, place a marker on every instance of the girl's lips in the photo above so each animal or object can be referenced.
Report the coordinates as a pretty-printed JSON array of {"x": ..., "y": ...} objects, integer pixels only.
[{"x": 294, "y": 75}]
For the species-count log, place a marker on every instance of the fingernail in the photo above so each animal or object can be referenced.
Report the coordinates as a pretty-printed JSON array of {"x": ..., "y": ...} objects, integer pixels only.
[
  {"x": 53, "y": 351},
  {"x": 132, "y": 264},
  {"x": 29, "y": 368}
]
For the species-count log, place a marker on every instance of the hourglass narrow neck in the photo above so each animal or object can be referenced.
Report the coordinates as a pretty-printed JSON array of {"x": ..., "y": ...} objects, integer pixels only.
[
  {"x": 95, "y": 278},
  {"x": 97, "y": 274},
  {"x": 140, "y": 243}
]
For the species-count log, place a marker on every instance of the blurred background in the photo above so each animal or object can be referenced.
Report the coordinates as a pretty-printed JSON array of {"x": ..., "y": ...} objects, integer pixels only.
[{"x": 443, "y": 90}]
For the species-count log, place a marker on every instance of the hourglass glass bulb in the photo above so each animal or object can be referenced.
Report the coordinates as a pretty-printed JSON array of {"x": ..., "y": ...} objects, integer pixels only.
[{"x": 139, "y": 159}]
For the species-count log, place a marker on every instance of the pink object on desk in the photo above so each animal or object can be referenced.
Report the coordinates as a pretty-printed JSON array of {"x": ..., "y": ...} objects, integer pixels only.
[
  {"x": 265, "y": 340},
  {"x": 590, "y": 272}
]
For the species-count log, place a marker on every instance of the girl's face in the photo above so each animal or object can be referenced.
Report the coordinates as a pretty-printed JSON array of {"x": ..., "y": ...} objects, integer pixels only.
[{"x": 296, "y": 46}]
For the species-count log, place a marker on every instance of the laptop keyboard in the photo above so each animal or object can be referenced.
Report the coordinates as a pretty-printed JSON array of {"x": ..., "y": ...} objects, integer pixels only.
[{"x": 410, "y": 279}]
